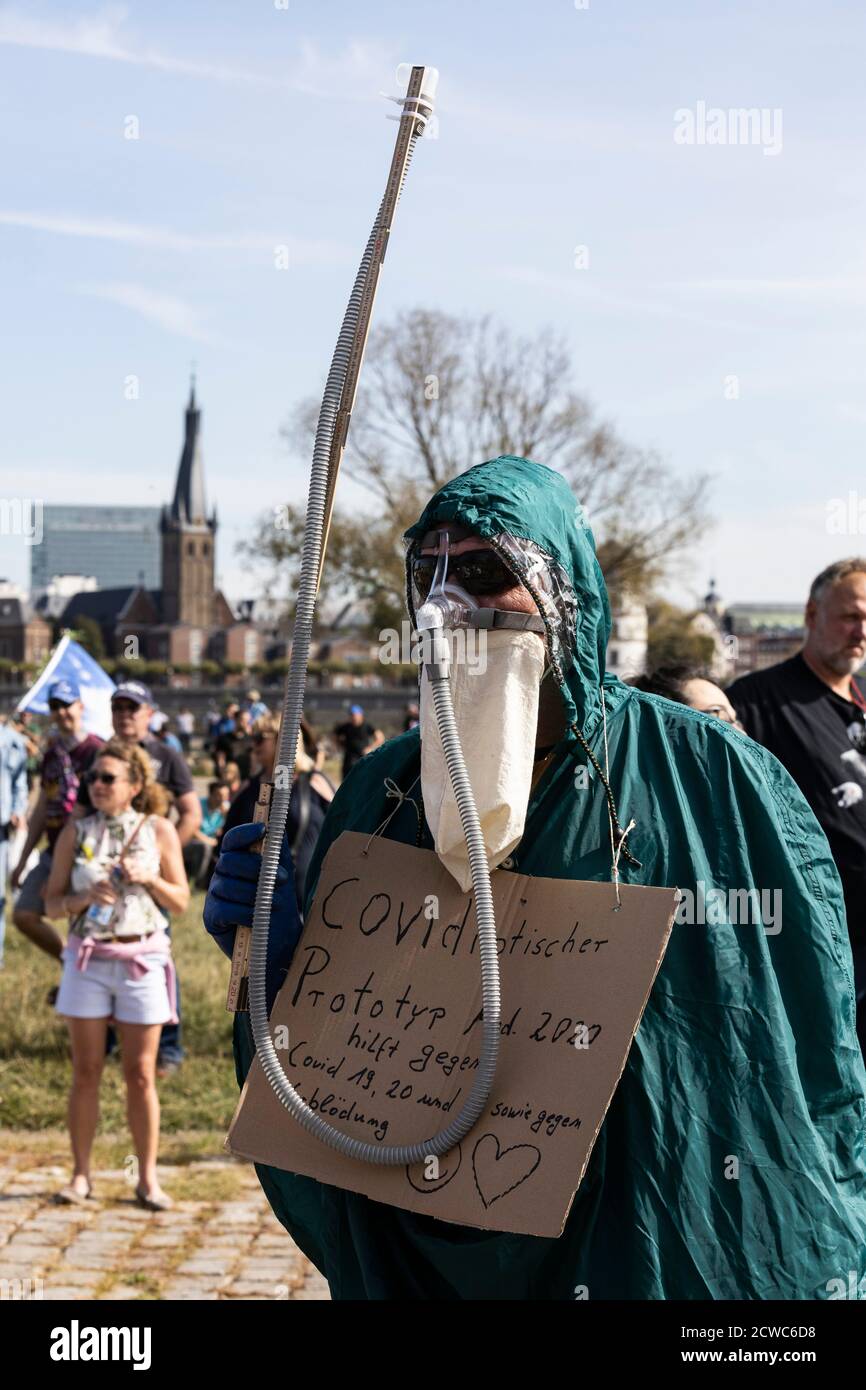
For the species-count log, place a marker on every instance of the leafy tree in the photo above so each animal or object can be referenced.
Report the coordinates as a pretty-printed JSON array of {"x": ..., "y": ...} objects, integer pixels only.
[
  {"x": 672, "y": 641},
  {"x": 88, "y": 634}
]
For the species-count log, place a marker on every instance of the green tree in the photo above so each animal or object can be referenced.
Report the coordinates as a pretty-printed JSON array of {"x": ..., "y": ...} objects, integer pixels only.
[
  {"x": 672, "y": 641},
  {"x": 88, "y": 633}
]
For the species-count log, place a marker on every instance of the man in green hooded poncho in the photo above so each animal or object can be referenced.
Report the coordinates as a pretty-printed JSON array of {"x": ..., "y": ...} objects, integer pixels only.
[{"x": 747, "y": 1048}]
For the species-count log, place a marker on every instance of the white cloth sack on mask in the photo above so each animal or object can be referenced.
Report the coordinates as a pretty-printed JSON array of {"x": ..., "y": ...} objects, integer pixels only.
[{"x": 496, "y": 710}]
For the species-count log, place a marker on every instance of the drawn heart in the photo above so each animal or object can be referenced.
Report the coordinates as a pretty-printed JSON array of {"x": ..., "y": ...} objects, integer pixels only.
[
  {"x": 498, "y": 1171},
  {"x": 448, "y": 1166}
]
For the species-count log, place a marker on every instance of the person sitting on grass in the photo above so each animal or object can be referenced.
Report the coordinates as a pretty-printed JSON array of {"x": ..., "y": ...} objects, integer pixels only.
[{"x": 117, "y": 875}]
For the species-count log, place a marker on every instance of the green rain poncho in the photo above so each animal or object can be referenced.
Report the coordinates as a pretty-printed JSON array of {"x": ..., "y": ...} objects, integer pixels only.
[{"x": 747, "y": 1049}]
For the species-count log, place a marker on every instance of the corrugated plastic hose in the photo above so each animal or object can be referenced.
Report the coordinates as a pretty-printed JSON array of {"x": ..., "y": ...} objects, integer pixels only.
[{"x": 439, "y": 1144}]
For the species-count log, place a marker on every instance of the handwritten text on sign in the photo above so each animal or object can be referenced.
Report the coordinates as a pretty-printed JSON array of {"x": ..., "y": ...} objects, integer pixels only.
[{"x": 379, "y": 1024}]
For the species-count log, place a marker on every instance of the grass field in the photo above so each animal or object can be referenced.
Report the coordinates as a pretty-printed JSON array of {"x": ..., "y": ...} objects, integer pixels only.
[{"x": 197, "y": 1102}]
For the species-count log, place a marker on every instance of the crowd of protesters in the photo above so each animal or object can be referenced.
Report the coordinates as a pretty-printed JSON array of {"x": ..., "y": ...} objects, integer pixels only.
[{"x": 111, "y": 835}]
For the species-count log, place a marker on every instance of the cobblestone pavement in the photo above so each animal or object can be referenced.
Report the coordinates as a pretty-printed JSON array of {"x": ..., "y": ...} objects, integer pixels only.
[{"x": 113, "y": 1249}]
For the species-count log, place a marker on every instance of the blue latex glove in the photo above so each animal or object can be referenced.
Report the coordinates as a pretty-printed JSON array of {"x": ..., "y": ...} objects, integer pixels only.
[{"x": 232, "y": 895}]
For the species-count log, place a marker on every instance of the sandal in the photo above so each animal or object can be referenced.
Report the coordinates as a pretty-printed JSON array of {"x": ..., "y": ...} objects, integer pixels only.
[
  {"x": 69, "y": 1196},
  {"x": 163, "y": 1203}
]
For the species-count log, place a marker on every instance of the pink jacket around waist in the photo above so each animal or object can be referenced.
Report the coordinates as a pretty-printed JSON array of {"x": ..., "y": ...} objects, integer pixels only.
[{"x": 133, "y": 953}]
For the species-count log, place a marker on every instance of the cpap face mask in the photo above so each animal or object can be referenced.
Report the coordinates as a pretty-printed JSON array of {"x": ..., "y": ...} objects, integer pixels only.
[
  {"x": 452, "y": 590},
  {"x": 490, "y": 727}
]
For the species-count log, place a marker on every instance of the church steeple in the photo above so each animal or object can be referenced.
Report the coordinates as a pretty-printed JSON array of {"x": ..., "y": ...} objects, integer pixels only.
[
  {"x": 188, "y": 535},
  {"x": 188, "y": 506},
  {"x": 713, "y": 602}
]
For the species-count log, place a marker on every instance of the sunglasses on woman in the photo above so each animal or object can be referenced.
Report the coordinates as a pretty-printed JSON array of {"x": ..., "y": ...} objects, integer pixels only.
[
  {"x": 107, "y": 779},
  {"x": 479, "y": 572}
]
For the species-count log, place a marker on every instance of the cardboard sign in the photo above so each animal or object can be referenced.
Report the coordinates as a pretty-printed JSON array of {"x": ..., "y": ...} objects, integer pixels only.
[{"x": 378, "y": 1026}]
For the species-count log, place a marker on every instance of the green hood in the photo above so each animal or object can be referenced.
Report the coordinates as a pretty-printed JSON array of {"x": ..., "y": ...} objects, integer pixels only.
[{"x": 528, "y": 501}]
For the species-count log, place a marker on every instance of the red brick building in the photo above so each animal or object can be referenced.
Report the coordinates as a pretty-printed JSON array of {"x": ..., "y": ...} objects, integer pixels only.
[{"x": 25, "y": 637}]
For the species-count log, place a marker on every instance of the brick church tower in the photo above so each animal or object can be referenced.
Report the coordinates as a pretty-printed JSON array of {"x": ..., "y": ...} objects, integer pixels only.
[
  {"x": 188, "y": 537},
  {"x": 188, "y": 620}
]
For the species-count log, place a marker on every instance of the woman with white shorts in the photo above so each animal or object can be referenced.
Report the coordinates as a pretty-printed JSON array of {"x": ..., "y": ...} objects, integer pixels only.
[{"x": 117, "y": 875}]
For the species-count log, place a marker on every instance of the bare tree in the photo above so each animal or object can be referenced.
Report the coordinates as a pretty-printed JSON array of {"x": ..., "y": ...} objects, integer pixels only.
[{"x": 440, "y": 393}]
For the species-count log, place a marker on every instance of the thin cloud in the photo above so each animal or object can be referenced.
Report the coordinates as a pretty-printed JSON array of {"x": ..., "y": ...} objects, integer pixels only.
[
  {"x": 99, "y": 36},
  {"x": 355, "y": 74},
  {"x": 302, "y": 251},
  {"x": 165, "y": 310}
]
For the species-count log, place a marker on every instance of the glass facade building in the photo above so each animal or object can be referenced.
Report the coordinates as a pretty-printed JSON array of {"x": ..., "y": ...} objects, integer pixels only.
[{"x": 120, "y": 545}]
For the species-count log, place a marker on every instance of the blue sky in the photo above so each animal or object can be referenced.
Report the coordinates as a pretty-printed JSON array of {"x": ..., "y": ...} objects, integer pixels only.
[{"x": 261, "y": 126}]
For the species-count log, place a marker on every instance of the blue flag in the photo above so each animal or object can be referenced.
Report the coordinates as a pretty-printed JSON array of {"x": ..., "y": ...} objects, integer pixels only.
[{"x": 71, "y": 662}]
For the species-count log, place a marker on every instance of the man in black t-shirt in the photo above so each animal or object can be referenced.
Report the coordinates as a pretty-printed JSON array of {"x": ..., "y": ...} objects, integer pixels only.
[{"x": 811, "y": 713}]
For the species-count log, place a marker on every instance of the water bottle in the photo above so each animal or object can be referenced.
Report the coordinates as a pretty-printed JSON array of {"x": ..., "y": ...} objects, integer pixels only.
[{"x": 100, "y": 914}]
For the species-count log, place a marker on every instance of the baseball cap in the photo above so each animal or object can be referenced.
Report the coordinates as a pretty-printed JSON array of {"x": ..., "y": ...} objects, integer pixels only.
[
  {"x": 134, "y": 691},
  {"x": 356, "y": 709},
  {"x": 66, "y": 692}
]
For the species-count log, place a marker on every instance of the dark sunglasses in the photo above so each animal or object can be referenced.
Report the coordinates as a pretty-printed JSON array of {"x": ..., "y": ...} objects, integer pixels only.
[
  {"x": 55, "y": 705},
  {"x": 107, "y": 779},
  {"x": 476, "y": 571}
]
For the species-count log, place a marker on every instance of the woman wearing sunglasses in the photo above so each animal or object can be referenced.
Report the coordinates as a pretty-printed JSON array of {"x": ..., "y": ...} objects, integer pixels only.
[{"x": 117, "y": 875}]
